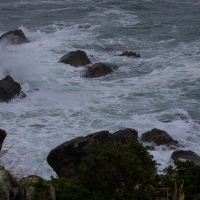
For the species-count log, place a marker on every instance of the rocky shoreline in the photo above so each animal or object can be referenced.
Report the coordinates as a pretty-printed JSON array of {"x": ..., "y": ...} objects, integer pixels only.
[{"x": 65, "y": 159}]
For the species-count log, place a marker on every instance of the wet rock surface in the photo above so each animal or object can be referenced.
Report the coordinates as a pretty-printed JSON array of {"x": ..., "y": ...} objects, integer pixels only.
[
  {"x": 159, "y": 137},
  {"x": 100, "y": 69},
  {"x": 14, "y": 37},
  {"x": 186, "y": 155},
  {"x": 129, "y": 54},
  {"x": 9, "y": 89},
  {"x": 75, "y": 58}
]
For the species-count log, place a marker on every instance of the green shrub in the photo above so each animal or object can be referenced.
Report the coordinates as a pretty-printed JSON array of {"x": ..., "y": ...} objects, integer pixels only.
[
  {"x": 42, "y": 190},
  {"x": 186, "y": 174},
  {"x": 114, "y": 171},
  {"x": 118, "y": 171},
  {"x": 69, "y": 189}
]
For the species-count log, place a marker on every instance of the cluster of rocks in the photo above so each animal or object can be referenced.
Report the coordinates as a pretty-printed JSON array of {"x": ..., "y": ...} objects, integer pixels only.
[
  {"x": 66, "y": 158},
  {"x": 79, "y": 58},
  {"x": 9, "y": 89}
]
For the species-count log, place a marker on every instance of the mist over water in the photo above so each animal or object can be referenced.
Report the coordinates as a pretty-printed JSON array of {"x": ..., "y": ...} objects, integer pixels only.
[{"x": 158, "y": 90}]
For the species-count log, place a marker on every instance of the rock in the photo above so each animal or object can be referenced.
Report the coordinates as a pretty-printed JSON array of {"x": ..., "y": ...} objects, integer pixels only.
[
  {"x": 4, "y": 184},
  {"x": 26, "y": 188},
  {"x": 66, "y": 158},
  {"x": 158, "y": 136},
  {"x": 129, "y": 53},
  {"x": 100, "y": 69},
  {"x": 14, "y": 37},
  {"x": 9, "y": 89},
  {"x": 3, "y": 134},
  {"x": 187, "y": 155},
  {"x": 150, "y": 148},
  {"x": 75, "y": 58}
]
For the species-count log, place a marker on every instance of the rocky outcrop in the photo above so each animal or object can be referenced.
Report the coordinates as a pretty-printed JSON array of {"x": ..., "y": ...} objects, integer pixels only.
[
  {"x": 9, "y": 89},
  {"x": 66, "y": 158},
  {"x": 3, "y": 134},
  {"x": 159, "y": 137},
  {"x": 186, "y": 155},
  {"x": 26, "y": 188},
  {"x": 14, "y": 37},
  {"x": 75, "y": 58},
  {"x": 129, "y": 53},
  {"x": 100, "y": 69}
]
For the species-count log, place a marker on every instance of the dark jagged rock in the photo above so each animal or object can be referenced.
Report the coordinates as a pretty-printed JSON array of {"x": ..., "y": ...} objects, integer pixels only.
[
  {"x": 3, "y": 134},
  {"x": 9, "y": 89},
  {"x": 158, "y": 136},
  {"x": 100, "y": 69},
  {"x": 129, "y": 53},
  {"x": 186, "y": 155},
  {"x": 66, "y": 158},
  {"x": 14, "y": 37},
  {"x": 75, "y": 58}
]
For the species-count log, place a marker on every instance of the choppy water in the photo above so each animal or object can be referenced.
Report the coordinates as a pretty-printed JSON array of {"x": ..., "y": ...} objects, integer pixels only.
[{"x": 160, "y": 89}]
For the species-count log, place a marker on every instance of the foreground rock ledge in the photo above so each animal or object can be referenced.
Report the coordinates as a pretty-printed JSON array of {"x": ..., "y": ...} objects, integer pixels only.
[
  {"x": 24, "y": 189},
  {"x": 66, "y": 158},
  {"x": 14, "y": 37}
]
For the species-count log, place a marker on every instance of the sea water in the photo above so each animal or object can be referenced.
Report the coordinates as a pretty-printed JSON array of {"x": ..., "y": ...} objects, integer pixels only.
[{"x": 161, "y": 89}]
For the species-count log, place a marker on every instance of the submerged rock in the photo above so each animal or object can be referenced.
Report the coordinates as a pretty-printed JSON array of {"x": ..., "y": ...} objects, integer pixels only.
[
  {"x": 66, "y": 158},
  {"x": 75, "y": 58},
  {"x": 158, "y": 136},
  {"x": 129, "y": 53},
  {"x": 186, "y": 155},
  {"x": 100, "y": 69},
  {"x": 3, "y": 134},
  {"x": 9, "y": 89},
  {"x": 14, "y": 37}
]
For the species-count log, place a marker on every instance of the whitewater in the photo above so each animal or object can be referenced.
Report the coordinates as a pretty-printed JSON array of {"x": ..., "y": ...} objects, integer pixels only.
[{"x": 158, "y": 90}]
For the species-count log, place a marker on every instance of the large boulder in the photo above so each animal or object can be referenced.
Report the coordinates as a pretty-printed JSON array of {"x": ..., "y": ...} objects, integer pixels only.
[
  {"x": 159, "y": 137},
  {"x": 66, "y": 158},
  {"x": 75, "y": 58},
  {"x": 100, "y": 69},
  {"x": 186, "y": 155},
  {"x": 3, "y": 134},
  {"x": 9, "y": 89},
  {"x": 14, "y": 37},
  {"x": 129, "y": 53}
]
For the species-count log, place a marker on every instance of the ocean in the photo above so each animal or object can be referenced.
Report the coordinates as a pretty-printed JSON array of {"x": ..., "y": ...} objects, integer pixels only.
[{"x": 161, "y": 89}]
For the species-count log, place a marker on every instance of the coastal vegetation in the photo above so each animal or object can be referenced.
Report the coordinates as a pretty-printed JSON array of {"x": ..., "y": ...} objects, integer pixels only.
[{"x": 128, "y": 172}]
